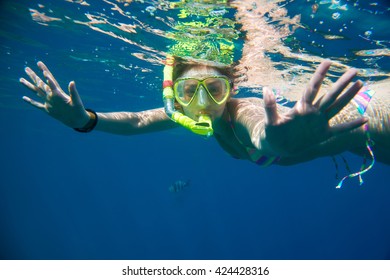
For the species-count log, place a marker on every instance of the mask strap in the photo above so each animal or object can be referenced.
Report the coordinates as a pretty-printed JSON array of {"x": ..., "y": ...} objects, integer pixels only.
[
  {"x": 361, "y": 101},
  {"x": 363, "y": 168}
]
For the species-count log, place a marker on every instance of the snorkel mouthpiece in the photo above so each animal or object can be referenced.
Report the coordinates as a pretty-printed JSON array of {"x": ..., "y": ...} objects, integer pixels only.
[
  {"x": 205, "y": 121},
  {"x": 203, "y": 126}
]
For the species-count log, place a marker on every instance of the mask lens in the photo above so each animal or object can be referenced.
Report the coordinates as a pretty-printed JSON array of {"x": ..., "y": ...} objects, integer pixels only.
[
  {"x": 218, "y": 88},
  {"x": 185, "y": 90}
]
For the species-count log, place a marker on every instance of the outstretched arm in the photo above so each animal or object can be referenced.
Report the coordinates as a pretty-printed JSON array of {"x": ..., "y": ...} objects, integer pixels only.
[
  {"x": 308, "y": 130},
  {"x": 69, "y": 109},
  {"x": 128, "y": 123}
]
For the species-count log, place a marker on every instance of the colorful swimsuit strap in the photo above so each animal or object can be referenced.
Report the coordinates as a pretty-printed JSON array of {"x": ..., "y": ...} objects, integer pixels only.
[
  {"x": 255, "y": 155},
  {"x": 361, "y": 101}
]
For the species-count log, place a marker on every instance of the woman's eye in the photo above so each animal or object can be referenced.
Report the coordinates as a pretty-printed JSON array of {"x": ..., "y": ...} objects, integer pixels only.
[
  {"x": 213, "y": 89},
  {"x": 190, "y": 89}
]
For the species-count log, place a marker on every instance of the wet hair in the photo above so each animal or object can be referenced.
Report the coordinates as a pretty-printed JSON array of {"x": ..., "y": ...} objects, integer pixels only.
[{"x": 183, "y": 64}]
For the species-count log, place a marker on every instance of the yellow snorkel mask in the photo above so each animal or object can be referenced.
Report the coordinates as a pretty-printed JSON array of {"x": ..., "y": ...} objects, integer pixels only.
[
  {"x": 202, "y": 126},
  {"x": 216, "y": 87}
]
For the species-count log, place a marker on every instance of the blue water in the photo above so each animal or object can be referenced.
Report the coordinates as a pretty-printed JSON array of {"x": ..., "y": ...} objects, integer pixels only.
[{"x": 65, "y": 195}]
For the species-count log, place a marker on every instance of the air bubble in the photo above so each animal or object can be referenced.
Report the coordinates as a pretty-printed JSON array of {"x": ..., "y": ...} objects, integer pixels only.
[
  {"x": 150, "y": 10},
  {"x": 336, "y": 15},
  {"x": 368, "y": 34}
]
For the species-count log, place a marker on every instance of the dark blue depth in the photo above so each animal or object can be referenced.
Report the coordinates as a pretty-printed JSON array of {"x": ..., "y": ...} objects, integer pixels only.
[{"x": 66, "y": 195}]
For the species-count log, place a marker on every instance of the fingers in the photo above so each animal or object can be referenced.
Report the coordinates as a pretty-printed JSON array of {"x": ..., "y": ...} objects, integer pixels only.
[
  {"x": 337, "y": 88},
  {"x": 44, "y": 90},
  {"x": 74, "y": 95},
  {"x": 344, "y": 99},
  {"x": 34, "y": 103},
  {"x": 270, "y": 106},
  {"x": 315, "y": 82},
  {"x": 53, "y": 85},
  {"x": 40, "y": 87},
  {"x": 50, "y": 81},
  {"x": 47, "y": 73},
  {"x": 27, "y": 84},
  {"x": 345, "y": 127}
]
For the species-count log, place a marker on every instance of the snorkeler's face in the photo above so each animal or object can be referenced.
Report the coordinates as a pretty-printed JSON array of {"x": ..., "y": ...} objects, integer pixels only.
[{"x": 206, "y": 90}]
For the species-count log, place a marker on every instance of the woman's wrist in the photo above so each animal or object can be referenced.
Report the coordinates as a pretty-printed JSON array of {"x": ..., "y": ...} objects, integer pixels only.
[
  {"x": 266, "y": 147},
  {"x": 90, "y": 125}
]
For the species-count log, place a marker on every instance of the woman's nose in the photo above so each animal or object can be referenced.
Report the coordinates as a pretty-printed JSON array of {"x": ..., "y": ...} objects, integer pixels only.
[{"x": 202, "y": 98}]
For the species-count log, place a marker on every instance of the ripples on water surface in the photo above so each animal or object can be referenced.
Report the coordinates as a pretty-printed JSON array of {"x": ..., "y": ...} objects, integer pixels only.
[{"x": 131, "y": 38}]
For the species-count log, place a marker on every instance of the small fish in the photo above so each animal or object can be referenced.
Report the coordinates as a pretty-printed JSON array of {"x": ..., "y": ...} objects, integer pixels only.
[
  {"x": 314, "y": 8},
  {"x": 333, "y": 37},
  {"x": 179, "y": 185}
]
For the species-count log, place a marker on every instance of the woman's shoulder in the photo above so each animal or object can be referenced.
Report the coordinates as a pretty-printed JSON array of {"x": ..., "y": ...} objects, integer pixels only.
[
  {"x": 242, "y": 109},
  {"x": 382, "y": 89},
  {"x": 245, "y": 102}
]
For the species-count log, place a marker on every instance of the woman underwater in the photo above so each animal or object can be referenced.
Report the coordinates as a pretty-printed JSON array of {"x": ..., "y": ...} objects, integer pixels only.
[
  {"x": 293, "y": 134},
  {"x": 256, "y": 129}
]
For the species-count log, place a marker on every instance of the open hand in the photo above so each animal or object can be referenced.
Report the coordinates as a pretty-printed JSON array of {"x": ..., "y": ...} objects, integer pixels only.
[
  {"x": 66, "y": 108},
  {"x": 307, "y": 123}
]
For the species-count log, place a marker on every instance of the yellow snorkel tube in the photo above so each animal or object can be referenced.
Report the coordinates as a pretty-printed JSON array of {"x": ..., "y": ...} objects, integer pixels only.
[{"x": 203, "y": 126}]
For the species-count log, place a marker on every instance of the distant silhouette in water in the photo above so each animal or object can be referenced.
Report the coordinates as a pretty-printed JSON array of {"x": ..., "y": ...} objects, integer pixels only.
[{"x": 179, "y": 185}]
